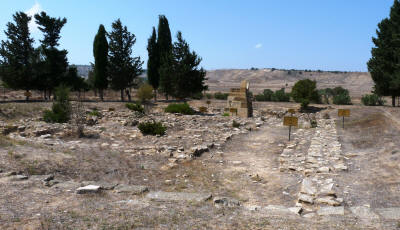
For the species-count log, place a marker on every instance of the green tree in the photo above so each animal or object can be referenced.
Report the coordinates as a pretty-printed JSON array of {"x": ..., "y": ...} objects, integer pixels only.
[
  {"x": 384, "y": 64},
  {"x": 188, "y": 78},
  {"x": 100, "y": 53},
  {"x": 304, "y": 92},
  {"x": 55, "y": 63},
  {"x": 164, "y": 43},
  {"x": 17, "y": 54},
  {"x": 153, "y": 63},
  {"x": 123, "y": 68}
]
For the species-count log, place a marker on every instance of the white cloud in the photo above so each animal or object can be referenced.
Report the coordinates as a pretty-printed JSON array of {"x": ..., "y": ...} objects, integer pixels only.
[
  {"x": 258, "y": 46},
  {"x": 35, "y": 9}
]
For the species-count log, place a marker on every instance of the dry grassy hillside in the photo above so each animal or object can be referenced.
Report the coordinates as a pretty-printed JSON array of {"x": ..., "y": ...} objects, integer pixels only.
[{"x": 222, "y": 80}]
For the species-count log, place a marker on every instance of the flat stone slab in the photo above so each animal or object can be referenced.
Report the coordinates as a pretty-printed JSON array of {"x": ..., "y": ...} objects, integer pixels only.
[
  {"x": 389, "y": 213},
  {"x": 364, "y": 213},
  {"x": 327, "y": 211},
  {"x": 307, "y": 187},
  {"x": 179, "y": 196},
  {"x": 88, "y": 189},
  {"x": 131, "y": 189}
]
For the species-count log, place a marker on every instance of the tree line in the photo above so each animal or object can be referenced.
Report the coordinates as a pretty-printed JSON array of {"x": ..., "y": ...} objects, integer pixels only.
[{"x": 172, "y": 68}]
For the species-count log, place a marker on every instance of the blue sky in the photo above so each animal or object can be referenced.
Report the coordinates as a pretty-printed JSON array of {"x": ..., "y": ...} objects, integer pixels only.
[{"x": 298, "y": 34}]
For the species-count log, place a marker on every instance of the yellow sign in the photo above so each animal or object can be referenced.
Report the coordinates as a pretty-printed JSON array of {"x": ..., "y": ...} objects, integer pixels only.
[
  {"x": 233, "y": 110},
  {"x": 344, "y": 112},
  {"x": 292, "y": 111},
  {"x": 290, "y": 121}
]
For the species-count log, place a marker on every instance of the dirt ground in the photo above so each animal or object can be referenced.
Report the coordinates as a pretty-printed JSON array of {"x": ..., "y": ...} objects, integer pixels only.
[{"x": 244, "y": 169}]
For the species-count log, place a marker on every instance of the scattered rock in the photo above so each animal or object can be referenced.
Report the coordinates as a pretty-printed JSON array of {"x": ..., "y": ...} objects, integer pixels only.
[
  {"x": 88, "y": 189},
  {"x": 18, "y": 178},
  {"x": 306, "y": 198},
  {"x": 224, "y": 201},
  {"x": 179, "y": 196},
  {"x": 307, "y": 187}
]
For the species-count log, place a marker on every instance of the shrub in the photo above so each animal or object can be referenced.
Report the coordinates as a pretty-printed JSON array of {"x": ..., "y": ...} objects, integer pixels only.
[
  {"x": 372, "y": 100},
  {"x": 304, "y": 104},
  {"x": 225, "y": 114},
  {"x": 221, "y": 96},
  {"x": 179, "y": 108},
  {"x": 342, "y": 99},
  {"x": 95, "y": 113},
  {"x": 198, "y": 96},
  {"x": 152, "y": 128},
  {"x": 280, "y": 96},
  {"x": 145, "y": 92},
  {"x": 203, "y": 109},
  {"x": 208, "y": 95},
  {"x": 135, "y": 107},
  {"x": 313, "y": 123},
  {"x": 260, "y": 97},
  {"x": 304, "y": 92},
  {"x": 61, "y": 109},
  {"x": 235, "y": 124}
]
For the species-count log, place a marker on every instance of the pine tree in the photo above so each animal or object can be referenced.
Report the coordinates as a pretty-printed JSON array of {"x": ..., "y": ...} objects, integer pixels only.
[
  {"x": 384, "y": 64},
  {"x": 153, "y": 65},
  {"x": 188, "y": 78},
  {"x": 123, "y": 68},
  {"x": 55, "y": 61},
  {"x": 100, "y": 53},
  {"x": 17, "y": 54},
  {"x": 164, "y": 43}
]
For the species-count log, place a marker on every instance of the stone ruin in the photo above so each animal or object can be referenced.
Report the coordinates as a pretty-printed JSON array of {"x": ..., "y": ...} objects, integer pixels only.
[{"x": 239, "y": 101}]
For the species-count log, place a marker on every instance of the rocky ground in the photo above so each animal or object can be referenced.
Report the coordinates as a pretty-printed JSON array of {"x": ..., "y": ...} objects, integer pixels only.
[{"x": 204, "y": 173}]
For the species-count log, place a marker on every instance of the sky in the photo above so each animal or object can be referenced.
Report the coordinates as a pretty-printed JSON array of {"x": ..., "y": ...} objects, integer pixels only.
[{"x": 239, "y": 34}]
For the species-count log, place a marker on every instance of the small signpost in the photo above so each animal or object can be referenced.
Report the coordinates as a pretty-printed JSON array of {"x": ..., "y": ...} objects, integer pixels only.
[
  {"x": 290, "y": 121},
  {"x": 344, "y": 113}
]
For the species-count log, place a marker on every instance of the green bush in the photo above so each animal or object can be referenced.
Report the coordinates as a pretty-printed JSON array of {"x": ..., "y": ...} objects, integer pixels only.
[
  {"x": 342, "y": 99},
  {"x": 197, "y": 96},
  {"x": 280, "y": 96},
  {"x": 135, "y": 107},
  {"x": 225, "y": 114},
  {"x": 304, "y": 104},
  {"x": 208, "y": 95},
  {"x": 179, "y": 108},
  {"x": 221, "y": 96},
  {"x": 372, "y": 100},
  {"x": 152, "y": 128},
  {"x": 304, "y": 92},
  {"x": 94, "y": 113},
  {"x": 61, "y": 109}
]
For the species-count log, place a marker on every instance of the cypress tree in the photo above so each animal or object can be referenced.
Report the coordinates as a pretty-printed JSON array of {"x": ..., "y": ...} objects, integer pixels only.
[
  {"x": 17, "y": 54},
  {"x": 55, "y": 61},
  {"x": 153, "y": 65},
  {"x": 164, "y": 43},
  {"x": 100, "y": 53},
  {"x": 189, "y": 78},
  {"x": 123, "y": 68},
  {"x": 384, "y": 64}
]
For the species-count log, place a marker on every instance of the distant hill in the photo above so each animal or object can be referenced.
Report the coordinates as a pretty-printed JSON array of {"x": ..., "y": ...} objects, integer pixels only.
[
  {"x": 358, "y": 83},
  {"x": 83, "y": 70}
]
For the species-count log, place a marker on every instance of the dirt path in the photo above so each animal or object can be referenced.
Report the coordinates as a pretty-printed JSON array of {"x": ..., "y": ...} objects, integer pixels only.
[{"x": 249, "y": 166}]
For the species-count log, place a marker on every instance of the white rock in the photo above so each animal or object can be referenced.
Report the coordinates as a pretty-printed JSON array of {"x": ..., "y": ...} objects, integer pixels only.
[{"x": 88, "y": 189}]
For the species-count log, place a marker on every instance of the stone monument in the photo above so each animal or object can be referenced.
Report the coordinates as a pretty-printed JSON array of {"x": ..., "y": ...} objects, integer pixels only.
[{"x": 239, "y": 101}]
